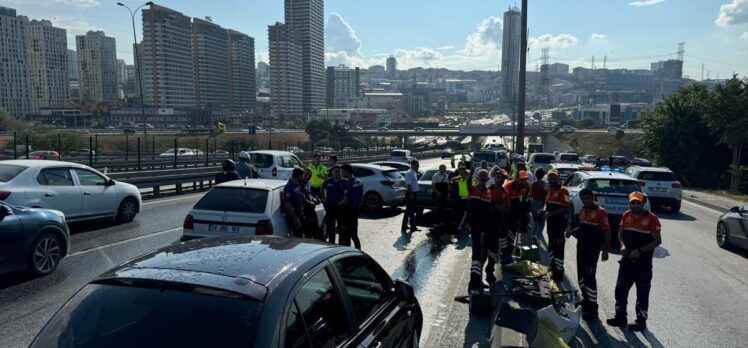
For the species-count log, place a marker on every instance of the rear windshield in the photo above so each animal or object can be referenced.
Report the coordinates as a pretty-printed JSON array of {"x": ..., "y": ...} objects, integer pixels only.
[
  {"x": 125, "y": 316},
  {"x": 392, "y": 174},
  {"x": 235, "y": 199},
  {"x": 619, "y": 161},
  {"x": 614, "y": 186},
  {"x": 542, "y": 159},
  {"x": 566, "y": 171},
  {"x": 570, "y": 158},
  {"x": 398, "y": 154},
  {"x": 484, "y": 156},
  {"x": 261, "y": 160},
  {"x": 657, "y": 176},
  {"x": 10, "y": 171}
]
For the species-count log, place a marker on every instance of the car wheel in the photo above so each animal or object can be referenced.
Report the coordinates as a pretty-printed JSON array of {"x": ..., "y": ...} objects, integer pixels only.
[
  {"x": 675, "y": 208},
  {"x": 723, "y": 236},
  {"x": 373, "y": 201},
  {"x": 45, "y": 254},
  {"x": 127, "y": 210}
]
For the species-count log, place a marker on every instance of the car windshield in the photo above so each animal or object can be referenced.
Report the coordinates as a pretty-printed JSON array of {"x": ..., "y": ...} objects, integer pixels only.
[
  {"x": 261, "y": 160},
  {"x": 234, "y": 199},
  {"x": 542, "y": 159},
  {"x": 156, "y": 315},
  {"x": 614, "y": 186},
  {"x": 657, "y": 176},
  {"x": 484, "y": 156},
  {"x": 618, "y": 161},
  {"x": 392, "y": 174},
  {"x": 10, "y": 171},
  {"x": 398, "y": 154},
  {"x": 569, "y": 158}
]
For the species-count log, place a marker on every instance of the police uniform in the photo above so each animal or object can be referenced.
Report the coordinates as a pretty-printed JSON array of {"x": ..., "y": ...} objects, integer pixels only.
[
  {"x": 557, "y": 198},
  {"x": 294, "y": 195},
  {"x": 479, "y": 203},
  {"x": 315, "y": 181},
  {"x": 334, "y": 193},
  {"x": 355, "y": 193},
  {"x": 592, "y": 223}
]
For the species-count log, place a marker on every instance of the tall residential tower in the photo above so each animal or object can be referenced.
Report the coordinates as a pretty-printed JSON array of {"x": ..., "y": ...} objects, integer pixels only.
[
  {"x": 47, "y": 54},
  {"x": 14, "y": 88},
  {"x": 305, "y": 20},
  {"x": 510, "y": 50},
  {"x": 97, "y": 67},
  {"x": 285, "y": 73}
]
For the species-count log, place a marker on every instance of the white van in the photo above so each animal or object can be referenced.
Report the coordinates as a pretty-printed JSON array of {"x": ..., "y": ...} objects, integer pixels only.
[
  {"x": 274, "y": 164},
  {"x": 494, "y": 158}
]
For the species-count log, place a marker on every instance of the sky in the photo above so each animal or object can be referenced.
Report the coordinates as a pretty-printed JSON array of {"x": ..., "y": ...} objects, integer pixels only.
[{"x": 461, "y": 35}]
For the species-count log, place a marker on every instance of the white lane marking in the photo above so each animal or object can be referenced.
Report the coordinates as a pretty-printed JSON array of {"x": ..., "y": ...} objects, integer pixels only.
[
  {"x": 172, "y": 199},
  {"x": 123, "y": 242}
]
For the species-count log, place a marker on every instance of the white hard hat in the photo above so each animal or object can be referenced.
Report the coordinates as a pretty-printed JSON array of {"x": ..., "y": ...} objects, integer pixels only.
[{"x": 243, "y": 154}]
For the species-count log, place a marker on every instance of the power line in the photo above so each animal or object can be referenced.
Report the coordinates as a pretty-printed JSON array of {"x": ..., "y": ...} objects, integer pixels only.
[{"x": 716, "y": 61}]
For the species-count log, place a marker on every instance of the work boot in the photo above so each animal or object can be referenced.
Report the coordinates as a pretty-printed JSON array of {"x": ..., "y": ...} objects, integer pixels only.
[
  {"x": 617, "y": 321},
  {"x": 490, "y": 277},
  {"x": 638, "y": 325},
  {"x": 589, "y": 313},
  {"x": 475, "y": 283}
]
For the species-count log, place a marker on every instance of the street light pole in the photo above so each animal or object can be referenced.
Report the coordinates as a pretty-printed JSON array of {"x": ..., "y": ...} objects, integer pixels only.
[{"x": 139, "y": 63}]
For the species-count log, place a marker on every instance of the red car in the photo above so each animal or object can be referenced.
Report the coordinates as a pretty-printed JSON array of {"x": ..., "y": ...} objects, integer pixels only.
[{"x": 44, "y": 155}]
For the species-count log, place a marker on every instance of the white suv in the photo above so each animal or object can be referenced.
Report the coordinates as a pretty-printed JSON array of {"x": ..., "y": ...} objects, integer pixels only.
[
  {"x": 382, "y": 185},
  {"x": 274, "y": 164},
  {"x": 660, "y": 184},
  {"x": 400, "y": 155}
]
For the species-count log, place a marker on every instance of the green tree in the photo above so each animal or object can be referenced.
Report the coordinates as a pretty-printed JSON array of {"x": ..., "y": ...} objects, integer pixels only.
[
  {"x": 319, "y": 131},
  {"x": 7, "y": 122},
  {"x": 727, "y": 118}
]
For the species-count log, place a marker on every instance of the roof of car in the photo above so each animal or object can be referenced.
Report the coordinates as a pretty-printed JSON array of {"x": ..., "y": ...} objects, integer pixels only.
[
  {"x": 655, "y": 169},
  {"x": 43, "y": 164},
  {"x": 255, "y": 183},
  {"x": 371, "y": 166},
  {"x": 604, "y": 175},
  {"x": 541, "y": 154},
  {"x": 272, "y": 152},
  {"x": 565, "y": 165},
  {"x": 240, "y": 264}
]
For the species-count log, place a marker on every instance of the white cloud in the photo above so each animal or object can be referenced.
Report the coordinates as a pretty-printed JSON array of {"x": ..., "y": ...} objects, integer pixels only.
[
  {"x": 486, "y": 39},
  {"x": 735, "y": 12},
  {"x": 418, "y": 57},
  {"x": 548, "y": 40},
  {"x": 598, "y": 37},
  {"x": 342, "y": 46},
  {"x": 645, "y": 3},
  {"x": 261, "y": 56},
  {"x": 444, "y": 48},
  {"x": 79, "y": 3},
  {"x": 744, "y": 36}
]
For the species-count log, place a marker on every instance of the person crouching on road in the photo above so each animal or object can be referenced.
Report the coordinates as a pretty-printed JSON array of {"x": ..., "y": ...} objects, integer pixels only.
[
  {"x": 411, "y": 192},
  {"x": 537, "y": 194},
  {"x": 311, "y": 221},
  {"x": 228, "y": 172},
  {"x": 516, "y": 223},
  {"x": 354, "y": 197},
  {"x": 242, "y": 168},
  {"x": 501, "y": 206},
  {"x": 293, "y": 200},
  {"x": 556, "y": 206},
  {"x": 480, "y": 205},
  {"x": 334, "y": 192},
  {"x": 319, "y": 175},
  {"x": 593, "y": 235},
  {"x": 639, "y": 235}
]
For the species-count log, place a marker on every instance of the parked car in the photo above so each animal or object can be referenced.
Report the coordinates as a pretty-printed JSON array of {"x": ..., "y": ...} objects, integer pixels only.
[
  {"x": 274, "y": 164},
  {"x": 233, "y": 291},
  {"x": 198, "y": 152},
  {"x": 613, "y": 129},
  {"x": 494, "y": 146},
  {"x": 589, "y": 159},
  {"x": 541, "y": 160},
  {"x": 732, "y": 228},
  {"x": 82, "y": 131},
  {"x": 401, "y": 155},
  {"x": 447, "y": 153},
  {"x": 565, "y": 169},
  {"x": 128, "y": 131},
  {"x": 616, "y": 161},
  {"x": 324, "y": 150},
  {"x": 83, "y": 152},
  {"x": 33, "y": 240},
  {"x": 241, "y": 207},
  {"x": 382, "y": 185},
  {"x": 568, "y": 129},
  {"x": 401, "y": 166},
  {"x": 425, "y": 198},
  {"x": 567, "y": 157},
  {"x": 44, "y": 155},
  {"x": 642, "y": 162},
  {"x": 79, "y": 191},
  {"x": 181, "y": 152},
  {"x": 493, "y": 158},
  {"x": 220, "y": 153},
  {"x": 660, "y": 184},
  {"x": 347, "y": 149}
]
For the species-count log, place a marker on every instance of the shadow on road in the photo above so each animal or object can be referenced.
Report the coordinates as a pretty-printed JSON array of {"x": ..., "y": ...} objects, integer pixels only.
[
  {"x": 380, "y": 214},
  {"x": 666, "y": 215},
  {"x": 596, "y": 336},
  {"x": 88, "y": 226},
  {"x": 402, "y": 242},
  {"x": 476, "y": 331},
  {"x": 8, "y": 280},
  {"x": 739, "y": 252}
]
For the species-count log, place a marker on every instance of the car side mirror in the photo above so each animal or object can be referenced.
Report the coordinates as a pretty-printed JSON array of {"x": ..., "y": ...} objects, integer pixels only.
[
  {"x": 110, "y": 182},
  {"x": 404, "y": 291},
  {"x": 735, "y": 210}
]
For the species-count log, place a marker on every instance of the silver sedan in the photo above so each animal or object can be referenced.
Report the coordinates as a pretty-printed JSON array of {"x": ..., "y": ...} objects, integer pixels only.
[{"x": 732, "y": 228}]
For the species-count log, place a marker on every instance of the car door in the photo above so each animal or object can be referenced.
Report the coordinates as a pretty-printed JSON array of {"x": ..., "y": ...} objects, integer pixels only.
[
  {"x": 12, "y": 240},
  {"x": 58, "y": 191},
  {"x": 381, "y": 320},
  {"x": 741, "y": 235},
  {"x": 99, "y": 200}
]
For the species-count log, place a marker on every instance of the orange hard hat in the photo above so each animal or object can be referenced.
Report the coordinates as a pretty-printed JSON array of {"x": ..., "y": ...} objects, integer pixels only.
[
  {"x": 523, "y": 175},
  {"x": 553, "y": 172},
  {"x": 636, "y": 196}
]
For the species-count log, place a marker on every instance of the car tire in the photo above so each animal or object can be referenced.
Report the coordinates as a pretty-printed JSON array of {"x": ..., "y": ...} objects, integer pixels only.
[
  {"x": 45, "y": 254},
  {"x": 373, "y": 201},
  {"x": 675, "y": 208},
  {"x": 723, "y": 236},
  {"x": 127, "y": 210}
]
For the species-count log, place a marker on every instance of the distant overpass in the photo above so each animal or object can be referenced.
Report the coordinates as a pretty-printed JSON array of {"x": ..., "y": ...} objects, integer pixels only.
[{"x": 453, "y": 132}]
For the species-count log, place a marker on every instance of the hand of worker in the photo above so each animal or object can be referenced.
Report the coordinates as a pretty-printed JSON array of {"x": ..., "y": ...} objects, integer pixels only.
[
  {"x": 635, "y": 254},
  {"x": 604, "y": 256}
]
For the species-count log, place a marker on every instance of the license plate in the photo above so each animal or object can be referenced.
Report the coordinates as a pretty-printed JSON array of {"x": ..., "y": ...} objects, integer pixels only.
[
  {"x": 615, "y": 205},
  {"x": 657, "y": 189},
  {"x": 223, "y": 228}
]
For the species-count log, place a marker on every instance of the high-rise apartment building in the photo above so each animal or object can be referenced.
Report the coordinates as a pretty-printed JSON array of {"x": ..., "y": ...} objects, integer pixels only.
[
  {"x": 343, "y": 86},
  {"x": 167, "y": 58},
  {"x": 14, "y": 88},
  {"x": 263, "y": 75},
  {"x": 242, "y": 84},
  {"x": 47, "y": 55},
  {"x": 305, "y": 19},
  {"x": 285, "y": 73},
  {"x": 391, "y": 66},
  {"x": 72, "y": 65},
  {"x": 97, "y": 67},
  {"x": 510, "y": 50},
  {"x": 210, "y": 54}
]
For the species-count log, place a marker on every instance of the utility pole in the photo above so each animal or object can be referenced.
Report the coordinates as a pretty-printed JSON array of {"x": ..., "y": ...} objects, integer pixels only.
[{"x": 519, "y": 145}]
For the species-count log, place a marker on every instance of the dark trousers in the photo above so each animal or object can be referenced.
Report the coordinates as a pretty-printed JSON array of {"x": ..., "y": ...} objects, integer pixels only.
[
  {"x": 312, "y": 229},
  {"x": 410, "y": 212},
  {"x": 440, "y": 213},
  {"x": 556, "y": 245},
  {"x": 349, "y": 229},
  {"x": 587, "y": 256},
  {"x": 316, "y": 191},
  {"x": 458, "y": 210},
  {"x": 484, "y": 247},
  {"x": 630, "y": 273},
  {"x": 333, "y": 221},
  {"x": 297, "y": 231}
]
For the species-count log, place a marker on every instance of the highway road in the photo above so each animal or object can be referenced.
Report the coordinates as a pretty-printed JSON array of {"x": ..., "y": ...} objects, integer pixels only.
[{"x": 699, "y": 294}]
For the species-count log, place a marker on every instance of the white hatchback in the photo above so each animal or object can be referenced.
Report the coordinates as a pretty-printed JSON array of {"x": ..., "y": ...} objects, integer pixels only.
[
  {"x": 274, "y": 164},
  {"x": 240, "y": 207},
  {"x": 79, "y": 191}
]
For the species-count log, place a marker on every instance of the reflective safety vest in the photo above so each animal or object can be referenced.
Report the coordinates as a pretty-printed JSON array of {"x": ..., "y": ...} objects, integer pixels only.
[
  {"x": 315, "y": 180},
  {"x": 463, "y": 187}
]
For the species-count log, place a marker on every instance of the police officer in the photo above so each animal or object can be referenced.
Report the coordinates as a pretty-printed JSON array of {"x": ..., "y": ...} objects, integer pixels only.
[
  {"x": 228, "y": 172},
  {"x": 501, "y": 206},
  {"x": 332, "y": 161},
  {"x": 293, "y": 199},
  {"x": 319, "y": 175},
  {"x": 556, "y": 205},
  {"x": 334, "y": 192},
  {"x": 516, "y": 223},
  {"x": 311, "y": 221},
  {"x": 480, "y": 205},
  {"x": 639, "y": 235},
  {"x": 354, "y": 197},
  {"x": 242, "y": 168},
  {"x": 593, "y": 235}
]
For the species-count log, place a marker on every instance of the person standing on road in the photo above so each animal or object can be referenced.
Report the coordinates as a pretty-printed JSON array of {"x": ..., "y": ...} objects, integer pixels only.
[
  {"x": 460, "y": 197},
  {"x": 242, "y": 168},
  {"x": 293, "y": 199},
  {"x": 556, "y": 205},
  {"x": 319, "y": 175},
  {"x": 354, "y": 197},
  {"x": 483, "y": 165},
  {"x": 332, "y": 162},
  {"x": 452, "y": 160},
  {"x": 638, "y": 235},
  {"x": 311, "y": 221},
  {"x": 228, "y": 172},
  {"x": 537, "y": 194},
  {"x": 480, "y": 205},
  {"x": 516, "y": 223},
  {"x": 593, "y": 235},
  {"x": 501, "y": 208},
  {"x": 411, "y": 192},
  {"x": 334, "y": 192},
  {"x": 440, "y": 187}
]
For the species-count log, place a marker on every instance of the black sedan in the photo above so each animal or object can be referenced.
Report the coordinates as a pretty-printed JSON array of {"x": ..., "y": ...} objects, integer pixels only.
[
  {"x": 32, "y": 239},
  {"x": 732, "y": 228},
  {"x": 241, "y": 291}
]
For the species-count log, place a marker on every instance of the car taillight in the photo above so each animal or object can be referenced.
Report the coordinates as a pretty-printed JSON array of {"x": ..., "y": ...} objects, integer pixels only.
[
  {"x": 275, "y": 171},
  {"x": 642, "y": 183},
  {"x": 386, "y": 182},
  {"x": 264, "y": 228},
  {"x": 188, "y": 223},
  {"x": 677, "y": 185},
  {"x": 4, "y": 195}
]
